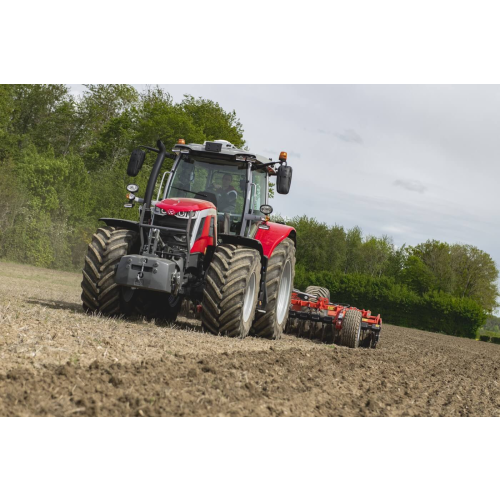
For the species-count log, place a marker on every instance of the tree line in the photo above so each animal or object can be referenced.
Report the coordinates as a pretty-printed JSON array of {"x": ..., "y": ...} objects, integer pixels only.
[{"x": 462, "y": 271}]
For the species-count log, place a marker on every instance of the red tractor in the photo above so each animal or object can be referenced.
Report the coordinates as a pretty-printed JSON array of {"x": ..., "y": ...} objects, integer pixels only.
[{"x": 207, "y": 237}]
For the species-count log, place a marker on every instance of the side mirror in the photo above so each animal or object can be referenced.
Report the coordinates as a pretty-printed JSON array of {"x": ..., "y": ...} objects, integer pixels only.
[
  {"x": 284, "y": 180},
  {"x": 135, "y": 163}
]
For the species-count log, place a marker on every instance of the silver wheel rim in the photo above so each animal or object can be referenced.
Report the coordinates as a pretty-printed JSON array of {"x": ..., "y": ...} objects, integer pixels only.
[
  {"x": 248, "y": 300},
  {"x": 284, "y": 293}
]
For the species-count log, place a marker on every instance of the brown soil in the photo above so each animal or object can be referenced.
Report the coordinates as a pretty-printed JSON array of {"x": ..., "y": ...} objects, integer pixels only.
[{"x": 54, "y": 360}]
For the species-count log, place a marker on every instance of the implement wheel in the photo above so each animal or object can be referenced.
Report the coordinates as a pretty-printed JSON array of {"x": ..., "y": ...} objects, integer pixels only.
[
  {"x": 279, "y": 281},
  {"x": 231, "y": 291},
  {"x": 100, "y": 293},
  {"x": 351, "y": 329},
  {"x": 319, "y": 292}
]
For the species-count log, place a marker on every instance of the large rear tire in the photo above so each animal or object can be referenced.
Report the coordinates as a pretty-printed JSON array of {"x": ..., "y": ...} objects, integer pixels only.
[
  {"x": 100, "y": 293},
  {"x": 351, "y": 329},
  {"x": 279, "y": 282},
  {"x": 231, "y": 291}
]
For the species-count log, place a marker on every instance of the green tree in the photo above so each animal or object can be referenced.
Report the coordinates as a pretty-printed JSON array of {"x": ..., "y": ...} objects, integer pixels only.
[
  {"x": 42, "y": 115},
  {"x": 374, "y": 255},
  {"x": 354, "y": 242},
  {"x": 213, "y": 121},
  {"x": 475, "y": 275},
  {"x": 417, "y": 275},
  {"x": 7, "y": 139},
  {"x": 437, "y": 258}
]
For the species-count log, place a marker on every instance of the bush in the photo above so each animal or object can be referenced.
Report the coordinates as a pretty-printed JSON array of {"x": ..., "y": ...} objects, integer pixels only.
[{"x": 484, "y": 338}]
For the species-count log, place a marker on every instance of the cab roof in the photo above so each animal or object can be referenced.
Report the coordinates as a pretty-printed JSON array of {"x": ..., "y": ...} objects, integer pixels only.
[{"x": 219, "y": 149}]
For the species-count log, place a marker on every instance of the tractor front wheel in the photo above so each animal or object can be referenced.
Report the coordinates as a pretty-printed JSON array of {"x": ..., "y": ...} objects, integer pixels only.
[
  {"x": 231, "y": 291},
  {"x": 279, "y": 282},
  {"x": 100, "y": 293}
]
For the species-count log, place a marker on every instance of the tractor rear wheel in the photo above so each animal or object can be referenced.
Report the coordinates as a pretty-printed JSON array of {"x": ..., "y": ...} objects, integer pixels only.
[
  {"x": 231, "y": 291},
  {"x": 351, "y": 329},
  {"x": 318, "y": 291},
  {"x": 100, "y": 293},
  {"x": 279, "y": 282}
]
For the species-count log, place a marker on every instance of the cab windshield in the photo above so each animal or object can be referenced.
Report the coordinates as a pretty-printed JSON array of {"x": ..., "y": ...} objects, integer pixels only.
[{"x": 222, "y": 183}]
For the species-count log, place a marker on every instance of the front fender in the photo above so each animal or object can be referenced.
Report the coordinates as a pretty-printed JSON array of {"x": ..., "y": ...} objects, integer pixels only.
[
  {"x": 272, "y": 237},
  {"x": 126, "y": 224}
]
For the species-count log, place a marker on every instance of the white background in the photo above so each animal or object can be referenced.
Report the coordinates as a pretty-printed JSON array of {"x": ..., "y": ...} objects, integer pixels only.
[{"x": 258, "y": 42}]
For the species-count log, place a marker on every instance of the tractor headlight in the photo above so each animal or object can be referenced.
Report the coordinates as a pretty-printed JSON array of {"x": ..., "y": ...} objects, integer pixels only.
[
  {"x": 266, "y": 209},
  {"x": 185, "y": 215}
]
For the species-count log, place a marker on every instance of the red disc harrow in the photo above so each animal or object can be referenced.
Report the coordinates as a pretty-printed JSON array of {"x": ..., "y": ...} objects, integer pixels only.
[{"x": 317, "y": 317}]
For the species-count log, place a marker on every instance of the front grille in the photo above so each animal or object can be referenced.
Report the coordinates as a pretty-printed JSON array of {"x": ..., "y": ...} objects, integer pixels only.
[{"x": 171, "y": 221}]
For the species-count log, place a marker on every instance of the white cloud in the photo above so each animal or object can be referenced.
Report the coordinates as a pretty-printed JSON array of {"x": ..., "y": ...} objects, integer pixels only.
[{"x": 411, "y": 185}]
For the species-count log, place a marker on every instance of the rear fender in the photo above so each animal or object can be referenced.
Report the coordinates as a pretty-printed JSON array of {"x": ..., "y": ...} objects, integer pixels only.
[
  {"x": 272, "y": 237},
  {"x": 232, "y": 239}
]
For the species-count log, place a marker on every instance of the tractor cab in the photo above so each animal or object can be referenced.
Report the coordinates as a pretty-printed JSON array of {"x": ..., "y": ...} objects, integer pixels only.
[{"x": 235, "y": 181}]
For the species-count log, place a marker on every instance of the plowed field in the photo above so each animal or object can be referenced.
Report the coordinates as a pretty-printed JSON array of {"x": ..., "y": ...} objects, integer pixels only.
[{"x": 56, "y": 361}]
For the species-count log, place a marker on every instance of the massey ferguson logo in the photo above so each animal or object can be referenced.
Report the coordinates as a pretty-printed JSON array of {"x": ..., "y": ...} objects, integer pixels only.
[{"x": 171, "y": 211}]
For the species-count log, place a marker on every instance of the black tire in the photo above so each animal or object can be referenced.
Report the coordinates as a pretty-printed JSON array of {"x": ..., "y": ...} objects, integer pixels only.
[
  {"x": 269, "y": 325},
  {"x": 351, "y": 329},
  {"x": 228, "y": 305},
  {"x": 100, "y": 293},
  {"x": 318, "y": 291},
  {"x": 158, "y": 305}
]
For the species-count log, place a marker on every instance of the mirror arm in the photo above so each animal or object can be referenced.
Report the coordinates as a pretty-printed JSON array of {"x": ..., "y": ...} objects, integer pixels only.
[
  {"x": 150, "y": 149},
  {"x": 162, "y": 152},
  {"x": 167, "y": 155}
]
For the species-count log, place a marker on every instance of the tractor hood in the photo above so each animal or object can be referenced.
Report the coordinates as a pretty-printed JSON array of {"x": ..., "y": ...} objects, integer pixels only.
[{"x": 173, "y": 206}]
